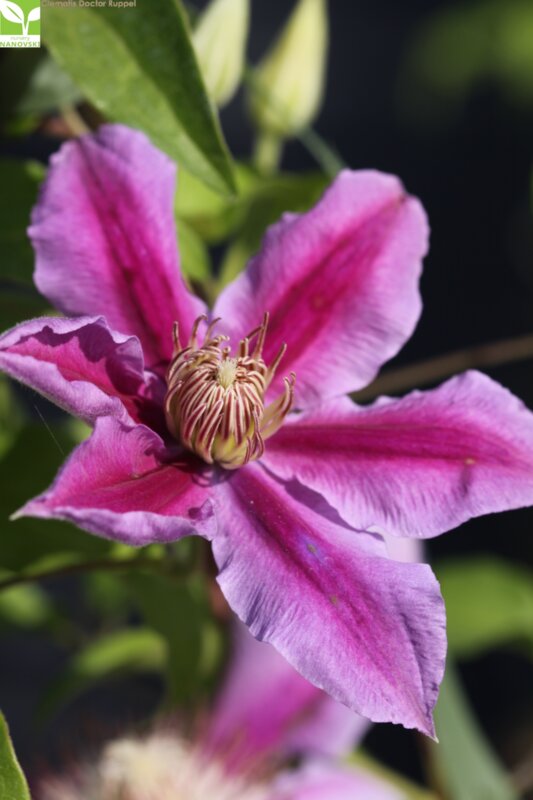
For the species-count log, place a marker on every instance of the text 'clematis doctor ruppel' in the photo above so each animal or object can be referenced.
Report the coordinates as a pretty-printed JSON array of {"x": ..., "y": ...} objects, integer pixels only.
[{"x": 191, "y": 426}]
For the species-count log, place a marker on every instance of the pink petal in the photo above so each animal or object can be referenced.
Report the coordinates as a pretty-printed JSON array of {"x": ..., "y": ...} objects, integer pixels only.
[
  {"x": 417, "y": 466},
  {"x": 333, "y": 729},
  {"x": 340, "y": 283},
  {"x": 367, "y": 630},
  {"x": 82, "y": 366},
  {"x": 322, "y": 781},
  {"x": 265, "y": 706},
  {"x": 404, "y": 549},
  {"x": 105, "y": 238},
  {"x": 120, "y": 485}
]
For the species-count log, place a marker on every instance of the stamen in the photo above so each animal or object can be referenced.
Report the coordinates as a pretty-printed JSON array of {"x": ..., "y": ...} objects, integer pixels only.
[
  {"x": 158, "y": 766},
  {"x": 193, "y": 341},
  {"x": 261, "y": 337},
  {"x": 275, "y": 364},
  {"x": 215, "y": 402},
  {"x": 277, "y": 411},
  {"x": 243, "y": 347},
  {"x": 210, "y": 327},
  {"x": 176, "y": 336}
]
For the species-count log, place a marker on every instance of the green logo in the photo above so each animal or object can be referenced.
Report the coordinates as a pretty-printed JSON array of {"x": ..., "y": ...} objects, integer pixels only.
[{"x": 20, "y": 18}]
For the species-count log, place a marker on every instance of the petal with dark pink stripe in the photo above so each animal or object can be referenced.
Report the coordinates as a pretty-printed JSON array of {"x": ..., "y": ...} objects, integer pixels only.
[
  {"x": 340, "y": 283},
  {"x": 367, "y": 630},
  {"x": 266, "y": 707},
  {"x": 83, "y": 367},
  {"x": 122, "y": 484},
  {"x": 105, "y": 239},
  {"x": 416, "y": 466}
]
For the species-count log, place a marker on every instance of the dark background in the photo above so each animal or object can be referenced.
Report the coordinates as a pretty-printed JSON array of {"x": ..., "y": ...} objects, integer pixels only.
[{"x": 471, "y": 167}]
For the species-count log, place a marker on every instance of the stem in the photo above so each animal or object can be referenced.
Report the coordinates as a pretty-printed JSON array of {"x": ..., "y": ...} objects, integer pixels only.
[
  {"x": 327, "y": 159},
  {"x": 494, "y": 354},
  {"x": 267, "y": 153},
  {"x": 97, "y": 565},
  {"x": 433, "y": 778},
  {"x": 325, "y": 156},
  {"x": 74, "y": 120}
]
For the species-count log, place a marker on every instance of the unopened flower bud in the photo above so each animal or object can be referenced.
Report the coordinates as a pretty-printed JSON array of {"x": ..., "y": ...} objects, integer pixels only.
[
  {"x": 288, "y": 84},
  {"x": 220, "y": 40}
]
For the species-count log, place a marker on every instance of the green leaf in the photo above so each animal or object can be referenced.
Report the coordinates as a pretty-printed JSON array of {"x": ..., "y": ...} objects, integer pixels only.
[
  {"x": 194, "y": 255},
  {"x": 11, "y": 417},
  {"x": 20, "y": 182},
  {"x": 16, "y": 71},
  {"x": 122, "y": 652},
  {"x": 107, "y": 595},
  {"x": 78, "y": 430},
  {"x": 488, "y": 603},
  {"x": 26, "y": 470},
  {"x": 178, "y": 609},
  {"x": 18, "y": 299},
  {"x": 138, "y": 67},
  {"x": 18, "y": 303},
  {"x": 409, "y": 791},
  {"x": 13, "y": 785},
  {"x": 463, "y": 761},
  {"x": 272, "y": 198},
  {"x": 49, "y": 89},
  {"x": 212, "y": 216},
  {"x": 461, "y": 45},
  {"x": 25, "y": 606},
  {"x": 216, "y": 218}
]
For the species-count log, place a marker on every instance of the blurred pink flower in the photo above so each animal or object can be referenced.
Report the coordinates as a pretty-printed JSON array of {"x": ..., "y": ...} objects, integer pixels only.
[{"x": 265, "y": 714}]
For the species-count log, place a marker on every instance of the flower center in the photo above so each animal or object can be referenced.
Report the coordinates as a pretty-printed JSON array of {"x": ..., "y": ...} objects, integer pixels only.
[
  {"x": 158, "y": 767},
  {"x": 215, "y": 402},
  {"x": 227, "y": 372}
]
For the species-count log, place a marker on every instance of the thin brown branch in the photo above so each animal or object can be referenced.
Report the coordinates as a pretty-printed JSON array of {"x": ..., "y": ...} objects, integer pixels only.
[
  {"x": 74, "y": 120},
  {"x": 96, "y": 565},
  {"x": 522, "y": 775},
  {"x": 494, "y": 354}
]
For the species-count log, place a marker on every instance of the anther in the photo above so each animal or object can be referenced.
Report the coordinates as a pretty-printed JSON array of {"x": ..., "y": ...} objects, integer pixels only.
[{"x": 215, "y": 402}]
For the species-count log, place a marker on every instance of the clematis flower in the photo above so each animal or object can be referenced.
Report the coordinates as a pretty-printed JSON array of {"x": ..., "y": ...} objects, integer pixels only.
[
  {"x": 264, "y": 714},
  {"x": 193, "y": 432}
]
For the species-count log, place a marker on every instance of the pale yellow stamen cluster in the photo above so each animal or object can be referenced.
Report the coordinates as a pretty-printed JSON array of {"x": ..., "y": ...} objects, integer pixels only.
[
  {"x": 158, "y": 767},
  {"x": 215, "y": 401},
  {"x": 227, "y": 372}
]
